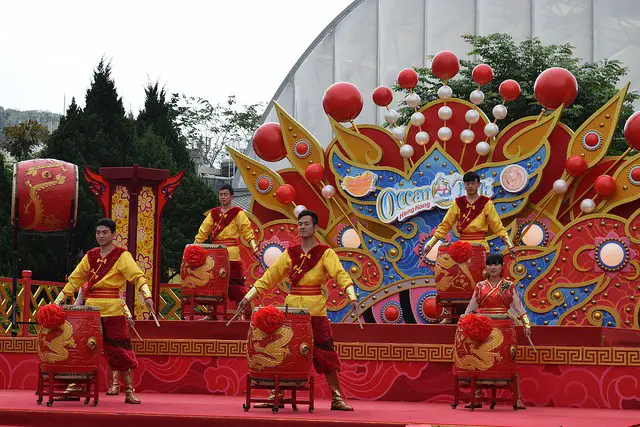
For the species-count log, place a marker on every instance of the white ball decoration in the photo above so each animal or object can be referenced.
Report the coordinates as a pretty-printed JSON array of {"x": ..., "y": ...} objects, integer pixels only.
[
  {"x": 445, "y": 92},
  {"x": 406, "y": 151},
  {"x": 398, "y": 133},
  {"x": 417, "y": 119},
  {"x": 499, "y": 111},
  {"x": 422, "y": 138},
  {"x": 560, "y": 186},
  {"x": 328, "y": 191},
  {"x": 391, "y": 116},
  {"x": 491, "y": 130},
  {"x": 476, "y": 97},
  {"x": 467, "y": 136},
  {"x": 298, "y": 209},
  {"x": 587, "y": 206},
  {"x": 483, "y": 148},
  {"x": 445, "y": 113},
  {"x": 444, "y": 134},
  {"x": 472, "y": 117},
  {"x": 412, "y": 100}
]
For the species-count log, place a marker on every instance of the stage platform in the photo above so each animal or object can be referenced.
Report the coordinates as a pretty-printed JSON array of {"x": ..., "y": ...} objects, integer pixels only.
[
  {"x": 585, "y": 367},
  {"x": 18, "y": 408}
]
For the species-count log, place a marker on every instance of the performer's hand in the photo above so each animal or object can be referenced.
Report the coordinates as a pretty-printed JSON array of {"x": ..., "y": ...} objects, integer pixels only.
[
  {"x": 527, "y": 332},
  {"x": 512, "y": 252},
  {"x": 132, "y": 323},
  {"x": 257, "y": 255},
  {"x": 149, "y": 303},
  {"x": 241, "y": 306},
  {"x": 355, "y": 307}
]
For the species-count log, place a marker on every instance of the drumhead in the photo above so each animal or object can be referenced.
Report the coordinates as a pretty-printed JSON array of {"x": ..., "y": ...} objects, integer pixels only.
[
  {"x": 291, "y": 310},
  {"x": 207, "y": 246},
  {"x": 80, "y": 308}
]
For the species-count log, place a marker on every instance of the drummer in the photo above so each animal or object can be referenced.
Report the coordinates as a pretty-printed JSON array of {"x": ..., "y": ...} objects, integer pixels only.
[
  {"x": 224, "y": 225},
  {"x": 309, "y": 265}
]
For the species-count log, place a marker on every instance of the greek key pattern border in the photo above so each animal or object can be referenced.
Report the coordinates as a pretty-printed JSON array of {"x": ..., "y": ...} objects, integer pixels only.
[{"x": 593, "y": 356}]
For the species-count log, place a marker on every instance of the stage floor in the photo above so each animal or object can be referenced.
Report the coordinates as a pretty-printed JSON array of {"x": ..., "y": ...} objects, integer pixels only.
[{"x": 19, "y": 408}]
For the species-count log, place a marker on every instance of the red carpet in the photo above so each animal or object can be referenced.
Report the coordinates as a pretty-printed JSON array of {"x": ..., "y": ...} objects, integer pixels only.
[{"x": 19, "y": 408}]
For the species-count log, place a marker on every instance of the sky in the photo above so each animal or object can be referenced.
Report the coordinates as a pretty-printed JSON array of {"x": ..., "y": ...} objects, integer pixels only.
[{"x": 209, "y": 49}]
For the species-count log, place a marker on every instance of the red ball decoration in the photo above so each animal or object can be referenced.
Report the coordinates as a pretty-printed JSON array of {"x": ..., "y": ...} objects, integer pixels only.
[
  {"x": 392, "y": 313},
  {"x": 554, "y": 87},
  {"x": 431, "y": 309},
  {"x": 576, "y": 165},
  {"x": 482, "y": 74},
  {"x": 51, "y": 316},
  {"x": 285, "y": 194},
  {"x": 635, "y": 174},
  {"x": 314, "y": 172},
  {"x": 476, "y": 328},
  {"x": 268, "y": 142},
  {"x": 382, "y": 96},
  {"x": 460, "y": 251},
  {"x": 407, "y": 78},
  {"x": 268, "y": 319},
  {"x": 605, "y": 185},
  {"x": 195, "y": 256},
  {"x": 509, "y": 90},
  {"x": 445, "y": 65},
  {"x": 591, "y": 139},
  {"x": 342, "y": 101},
  {"x": 632, "y": 131}
]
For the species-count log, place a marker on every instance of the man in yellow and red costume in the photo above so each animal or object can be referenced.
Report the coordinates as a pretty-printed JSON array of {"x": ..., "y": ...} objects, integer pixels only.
[
  {"x": 224, "y": 225},
  {"x": 309, "y": 265},
  {"x": 474, "y": 216},
  {"x": 102, "y": 275}
]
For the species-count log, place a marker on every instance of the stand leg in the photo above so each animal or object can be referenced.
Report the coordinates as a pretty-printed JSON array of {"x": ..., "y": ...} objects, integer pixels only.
[
  {"x": 493, "y": 397},
  {"x": 456, "y": 392},
  {"x": 247, "y": 404},
  {"x": 96, "y": 392},
  {"x": 311, "y": 393},
  {"x": 276, "y": 399},
  {"x": 514, "y": 392},
  {"x": 40, "y": 385},
  {"x": 50, "y": 401},
  {"x": 473, "y": 392},
  {"x": 293, "y": 400}
]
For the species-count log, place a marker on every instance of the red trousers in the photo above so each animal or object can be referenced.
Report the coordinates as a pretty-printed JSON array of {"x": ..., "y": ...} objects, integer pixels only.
[
  {"x": 325, "y": 357},
  {"x": 117, "y": 343}
]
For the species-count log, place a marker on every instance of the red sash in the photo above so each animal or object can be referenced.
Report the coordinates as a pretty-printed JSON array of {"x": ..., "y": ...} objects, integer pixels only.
[
  {"x": 222, "y": 219},
  {"x": 302, "y": 262},
  {"x": 99, "y": 267},
  {"x": 468, "y": 211}
]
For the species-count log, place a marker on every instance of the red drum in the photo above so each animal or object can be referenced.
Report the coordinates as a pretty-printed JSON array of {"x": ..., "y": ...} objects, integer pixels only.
[
  {"x": 454, "y": 281},
  {"x": 45, "y": 195},
  {"x": 286, "y": 353},
  {"x": 74, "y": 348},
  {"x": 210, "y": 281},
  {"x": 494, "y": 358}
]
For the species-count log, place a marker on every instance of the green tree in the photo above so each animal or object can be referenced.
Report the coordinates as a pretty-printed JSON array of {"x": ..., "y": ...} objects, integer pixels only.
[
  {"x": 523, "y": 62},
  {"x": 24, "y": 138},
  {"x": 5, "y": 219}
]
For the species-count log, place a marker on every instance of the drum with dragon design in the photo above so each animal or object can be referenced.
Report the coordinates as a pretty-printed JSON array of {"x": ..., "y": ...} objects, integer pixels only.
[
  {"x": 45, "y": 195},
  {"x": 286, "y": 353},
  {"x": 456, "y": 281},
  {"x": 495, "y": 357},
  {"x": 210, "y": 281},
  {"x": 76, "y": 346}
]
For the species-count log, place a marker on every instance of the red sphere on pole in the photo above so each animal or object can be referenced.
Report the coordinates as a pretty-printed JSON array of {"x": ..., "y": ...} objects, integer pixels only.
[
  {"x": 268, "y": 142},
  {"x": 482, "y": 74},
  {"x": 314, "y": 172},
  {"x": 509, "y": 90},
  {"x": 285, "y": 194},
  {"x": 554, "y": 87},
  {"x": 445, "y": 65},
  {"x": 632, "y": 131},
  {"x": 605, "y": 185},
  {"x": 407, "y": 78},
  {"x": 576, "y": 165},
  {"x": 342, "y": 101},
  {"x": 382, "y": 96}
]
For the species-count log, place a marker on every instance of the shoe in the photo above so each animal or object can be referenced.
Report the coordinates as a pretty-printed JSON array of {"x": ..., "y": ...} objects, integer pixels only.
[
  {"x": 128, "y": 389},
  {"x": 337, "y": 402},
  {"x": 520, "y": 405},
  {"x": 114, "y": 387}
]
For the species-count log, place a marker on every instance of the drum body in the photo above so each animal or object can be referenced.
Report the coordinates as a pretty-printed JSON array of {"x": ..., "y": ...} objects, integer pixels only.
[
  {"x": 455, "y": 281},
  {"x": 45, "y": 195},
  {"x": 494, "y": 358},
  {"x": 286, "y": 353},
  {"x": 210, "y": 281},
  {"x": 76, "y": 346}
]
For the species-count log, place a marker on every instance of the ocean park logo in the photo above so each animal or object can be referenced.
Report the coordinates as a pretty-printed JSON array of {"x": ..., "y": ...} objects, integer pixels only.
[{"x": 398, "y": 204}]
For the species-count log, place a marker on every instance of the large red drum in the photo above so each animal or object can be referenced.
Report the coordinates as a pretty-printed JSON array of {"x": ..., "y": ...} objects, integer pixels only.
[
  {"x": 45, "y": 195},
  {"x": 287, "y": 353},
  {"x": 74, "y": 348},
  {"x": 455, "y": 282},
  {"x": 210, "y": 281},
  {"x": 494, "y": 358}
]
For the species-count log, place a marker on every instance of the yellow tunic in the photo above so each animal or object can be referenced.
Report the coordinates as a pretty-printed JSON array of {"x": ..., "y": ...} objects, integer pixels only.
[
  {"x": 488, "y": 220},
  {"x": 328, "y": 266},
  {"x": 124, "y": 270},
  {"x": 240, "y": 226}
]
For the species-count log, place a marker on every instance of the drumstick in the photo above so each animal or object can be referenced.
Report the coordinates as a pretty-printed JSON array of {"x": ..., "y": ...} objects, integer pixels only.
[
  {"x": 532, "y": 346},
  {"x": 360, "y": 322},
  {"x": 155, "y": 318},
  {"x": 134, "y": 330},
  {"x": 233, "y": 318}
]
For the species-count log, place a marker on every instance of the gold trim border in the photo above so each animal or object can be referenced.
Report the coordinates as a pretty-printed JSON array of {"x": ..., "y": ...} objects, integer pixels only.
[{"x": 585, "y": 356}]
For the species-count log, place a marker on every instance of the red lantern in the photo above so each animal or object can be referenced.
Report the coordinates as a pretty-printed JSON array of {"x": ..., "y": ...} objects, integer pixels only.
[
  {"x": 268, "y": 142},
  {"x": 445, "y": 65},
  {"x": 314, "y": 172},
  {"x": 554, "y": 87},
  {"x": 382, "y": 96},
  {"x": 407, "y": 78},
  {"x": 342, "y": 101},
  {"x": 285, "y": 194},
  {"x": 482, "y": 74},
  {"x": 632, "y": 131},
  {"x": 509, "y": 90},
  {"x": 576, "y": 165},
  {"x": 605, "y": 185}
]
